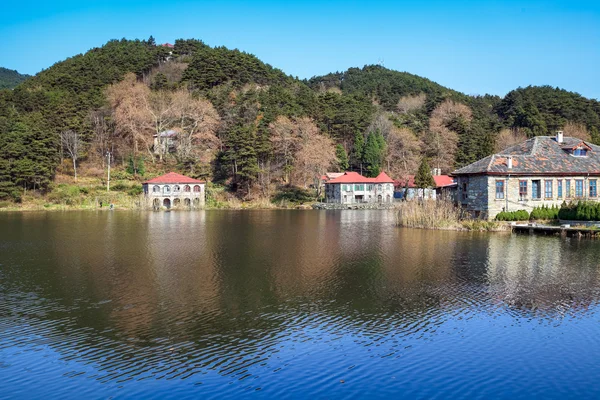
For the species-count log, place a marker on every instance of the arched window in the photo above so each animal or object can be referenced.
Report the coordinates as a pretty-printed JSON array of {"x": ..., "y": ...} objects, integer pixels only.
[
  {"x": 176, "y": 188},
  {"x": 196, "y": 188},
  {"x": 166, "y": 189},
  {"x": 186, "y": 188},
  {"x": 156, "y": 189}
]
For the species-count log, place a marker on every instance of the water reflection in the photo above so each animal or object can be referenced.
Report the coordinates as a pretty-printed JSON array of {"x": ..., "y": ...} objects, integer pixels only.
[{"x": 267, "y": 303}]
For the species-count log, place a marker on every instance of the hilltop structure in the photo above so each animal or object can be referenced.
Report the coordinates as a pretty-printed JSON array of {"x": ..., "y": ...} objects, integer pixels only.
[
  {"x": 175, "y": 190},
  {"x": 353, "y": 188},
  {"x": 542, "y": 171}
]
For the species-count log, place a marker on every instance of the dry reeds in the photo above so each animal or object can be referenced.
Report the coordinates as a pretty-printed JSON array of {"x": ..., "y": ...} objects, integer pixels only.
[{"x": 428, "y": 214}]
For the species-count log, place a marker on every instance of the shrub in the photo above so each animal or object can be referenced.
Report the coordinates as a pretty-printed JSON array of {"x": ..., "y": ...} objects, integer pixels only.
[
  {"x": 293, "y": 194},
  {"x": 580, "y": 211},
  {"x": 135, "y": 190},
  {"x": 520, "y": 215}
]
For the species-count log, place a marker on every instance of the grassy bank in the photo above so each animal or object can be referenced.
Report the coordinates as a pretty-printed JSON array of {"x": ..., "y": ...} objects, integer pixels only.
[
  {"x": 441, "y": 214},
  {"x": 88, "y": 193}
]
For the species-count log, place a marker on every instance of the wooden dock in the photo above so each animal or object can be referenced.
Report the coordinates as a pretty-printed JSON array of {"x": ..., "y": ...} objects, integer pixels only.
[{"x": 563, "y": 230}]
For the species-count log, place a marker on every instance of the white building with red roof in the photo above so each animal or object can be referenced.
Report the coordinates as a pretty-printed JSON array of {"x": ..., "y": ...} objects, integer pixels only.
[
  {"x": 353, "y": 188},
  {"x": 175, "y": 190}
]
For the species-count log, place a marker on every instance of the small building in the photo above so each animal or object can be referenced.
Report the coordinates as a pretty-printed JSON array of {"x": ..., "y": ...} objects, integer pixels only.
[
  {"x": 353, "y": 188},
  {"x": 445, "y": 188},
  {"x": 541, "y": 171},
  {"x": 175, "y": 190},
  {"x": 165, "y": 142}
]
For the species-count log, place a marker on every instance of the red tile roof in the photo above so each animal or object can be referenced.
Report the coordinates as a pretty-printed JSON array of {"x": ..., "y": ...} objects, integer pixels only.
[
  {"x": 167, "y": 45},
  {"x": 355, "y": 177},
  {"x": 173, "y": 177},
  {"x": 440, "y": 181}
]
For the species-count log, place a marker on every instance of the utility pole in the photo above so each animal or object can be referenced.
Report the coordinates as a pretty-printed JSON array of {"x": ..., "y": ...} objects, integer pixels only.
[{"x": 108, "y": 154}]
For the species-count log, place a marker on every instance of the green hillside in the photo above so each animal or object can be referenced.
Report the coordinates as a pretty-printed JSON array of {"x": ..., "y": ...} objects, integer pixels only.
[
  {"x": 10, "y": 78},
  {"x": 248, "y": 125}
]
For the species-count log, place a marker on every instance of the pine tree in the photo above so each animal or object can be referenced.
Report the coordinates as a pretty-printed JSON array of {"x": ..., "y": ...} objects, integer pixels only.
[
  {"x": 424, "y": 179},
  {"x": 342, "y": 157},
  {"x": 358, "y": 151},
  {"x": 373, "y": 153}
]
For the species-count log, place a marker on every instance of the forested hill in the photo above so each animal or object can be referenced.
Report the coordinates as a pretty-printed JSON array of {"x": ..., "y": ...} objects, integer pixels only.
[
  {"x": 249, "y": 126},
  {"x": 10, "y": 78}
]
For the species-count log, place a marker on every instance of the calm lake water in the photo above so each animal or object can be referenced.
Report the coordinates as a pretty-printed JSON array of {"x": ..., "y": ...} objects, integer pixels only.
[{"x": 291, "y": 304}]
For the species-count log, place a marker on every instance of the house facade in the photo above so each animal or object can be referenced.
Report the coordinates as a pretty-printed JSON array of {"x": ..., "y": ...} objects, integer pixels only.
[
  {"x": 445, "y": 188},
  {"x": 175, "y": 190},
  {"x": 353, "y": 188},
  {"x": 544, "y": 170}
]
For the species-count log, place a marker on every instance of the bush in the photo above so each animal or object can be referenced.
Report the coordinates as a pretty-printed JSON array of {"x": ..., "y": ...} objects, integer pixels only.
[
  {"x": 293, "y": 194},
  {"x": 580, "y": 211},
  {"x": 520, "y": 215},
  {"x": 545, "y": 213},
  {"x": 135, "y": 190},
  {"x": 120, "y": 187},
  {"x": 65, "y": 194}
]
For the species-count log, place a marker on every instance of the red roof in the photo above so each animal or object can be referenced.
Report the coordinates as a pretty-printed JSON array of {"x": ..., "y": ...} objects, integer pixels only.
[
  {"x": 440, "y": 181},
  {"x": 168, "y": 45},
  {"x": 355, "y": 177},
  {"x": 173, "y": 177}
]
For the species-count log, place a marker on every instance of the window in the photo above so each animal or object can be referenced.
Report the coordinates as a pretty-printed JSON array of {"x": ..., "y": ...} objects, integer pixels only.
[
  {"x": 464, "y": 191},
  {"x": 593, "y": 188},
  {"x": 197, "y": 188},
  {"x": 522, "y": 190},
  {"x": 166, "y": 189},
  {"x": 536, "y": 189},
  {"x": 548, "y": 189},
  {"x": 559, "y": 190},
  {"x": 176, "y": 188},
  {"x": 567, "y": 188},
  {"x": 580, "y": 152},
  {"x": 358, "y": 187},
  {"x": 578, "y": 188},
  {"x": 499, "y": 189},
  {"x": 187, "y": 188},
  {"x": 156, "y": 189}
]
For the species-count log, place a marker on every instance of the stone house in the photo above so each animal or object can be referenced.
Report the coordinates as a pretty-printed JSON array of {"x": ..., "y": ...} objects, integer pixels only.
[
  {"x": 544, "y": 170},
  {"x": 175, "y": 190},
  {"x": 353, "y": 188}
]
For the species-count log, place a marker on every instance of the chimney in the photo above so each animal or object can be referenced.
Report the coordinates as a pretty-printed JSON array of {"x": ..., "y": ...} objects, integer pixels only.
[
  {"x": 559, "y": 136},
  {"x": 509, "y": 162}
]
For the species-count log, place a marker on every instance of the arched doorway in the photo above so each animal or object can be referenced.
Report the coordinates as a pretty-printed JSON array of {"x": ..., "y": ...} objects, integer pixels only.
[
  {"x": 388, "y": 199},
  {"x": 379, "y": 199},
  {"x": 196, "y": 202},
  {"x": 187, "y": 202},
  {"x": 176, "y": 202},
  {"x": 156, "y": 204},
  {"x": 167, "y": 203}
]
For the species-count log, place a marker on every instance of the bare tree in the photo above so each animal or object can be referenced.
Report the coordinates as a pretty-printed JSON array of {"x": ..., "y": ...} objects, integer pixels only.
[
  {"x": 403, "y": 153},
  {"x": 284, "y": 138},
  {"x": 441, "y": 140},
  {"x": 507, "y": 138},
  {"x": 407, "y": 104},
  {"x": 577, "y": 130},
  {"x": 72, "y": 145},
  {"x": 196, "y": 122},
  {"x": 315, "y": 155},
  {"x": 382, "y": 124}
]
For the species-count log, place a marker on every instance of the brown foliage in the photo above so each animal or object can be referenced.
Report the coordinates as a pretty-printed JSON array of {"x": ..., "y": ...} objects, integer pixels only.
[
  {"x": 577, "y": 130},
  {"x": 507, "y": 138},
  {"x": 407, "y": 104},
  {"x": 403, "y": 153},
  {"x": 441, "y": 140}
]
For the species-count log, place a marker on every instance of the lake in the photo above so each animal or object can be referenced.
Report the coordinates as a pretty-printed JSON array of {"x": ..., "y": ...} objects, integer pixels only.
[{"x": 291, "y": 304}]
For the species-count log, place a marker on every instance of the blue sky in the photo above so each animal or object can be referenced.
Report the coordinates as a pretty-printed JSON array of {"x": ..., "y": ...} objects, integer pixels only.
[{"x": 476, "y": 47}]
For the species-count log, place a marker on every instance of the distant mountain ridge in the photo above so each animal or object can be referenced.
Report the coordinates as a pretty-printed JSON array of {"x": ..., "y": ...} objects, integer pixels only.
[{"x": 10, "y": 78}]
